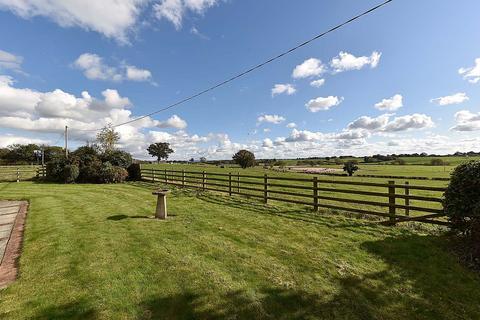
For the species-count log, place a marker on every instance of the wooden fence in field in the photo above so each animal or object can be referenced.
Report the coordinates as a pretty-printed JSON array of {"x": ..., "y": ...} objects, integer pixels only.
[
  {"x": 397, "y": 202},
  {"x": 21, "y": 172}
]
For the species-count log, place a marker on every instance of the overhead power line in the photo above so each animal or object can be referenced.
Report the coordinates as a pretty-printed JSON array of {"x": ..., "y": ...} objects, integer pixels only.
[{"x": 258, "y": 66}]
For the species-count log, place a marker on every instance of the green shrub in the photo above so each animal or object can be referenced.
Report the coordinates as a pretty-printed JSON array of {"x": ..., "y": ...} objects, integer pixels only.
[
  {"x": 112, "y": 174},
  {"x": 90, "y": 170},
  {"x": 118, "y": 158},
  {"x": 462, "y": 197},
  {"x": 87, "y": 165},
  {"x": 462, "y": 204},
  {"x": 134, "y": 172},
  {"x": 70, "y": 173},
  {"x": 62, "y": 170}
]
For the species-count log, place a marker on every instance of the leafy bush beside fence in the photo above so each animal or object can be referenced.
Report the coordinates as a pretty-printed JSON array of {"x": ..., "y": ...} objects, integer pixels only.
[
  {"x": 87, "y": 165},
  {"x": 462, "y": 205}
]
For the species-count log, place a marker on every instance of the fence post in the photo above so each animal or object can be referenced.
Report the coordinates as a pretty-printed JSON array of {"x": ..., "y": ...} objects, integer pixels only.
[
  {"x": 183, "y": 178},
  {"x": 238, "y": 182},
  {"x": 153, "y": 175},
  {"x": 407, "y": 200},
  {"x": 315, "y": 194},
  {"x": 391, "y": 201},
  {"x": 229, "y": 183},
  {"x": 265, "y": 189},
  {"x": 204, "y": 178},
  {"x": 166, "y": 178},
  {"x": 18, "y": 175}
]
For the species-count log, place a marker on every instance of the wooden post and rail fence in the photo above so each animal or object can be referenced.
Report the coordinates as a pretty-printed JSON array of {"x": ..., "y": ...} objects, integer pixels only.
[
  {"x": 391, "y": 200},
  {"x": 19, "y": 173}
]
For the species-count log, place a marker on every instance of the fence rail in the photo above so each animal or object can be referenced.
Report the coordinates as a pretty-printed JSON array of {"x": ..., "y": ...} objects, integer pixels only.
[
  {"x": 21, "y": 173},
  {"x": 391, "y": 200}
]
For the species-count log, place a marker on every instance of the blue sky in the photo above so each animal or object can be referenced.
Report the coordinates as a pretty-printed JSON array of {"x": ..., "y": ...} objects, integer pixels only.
[{"x": 88, "y": 63}]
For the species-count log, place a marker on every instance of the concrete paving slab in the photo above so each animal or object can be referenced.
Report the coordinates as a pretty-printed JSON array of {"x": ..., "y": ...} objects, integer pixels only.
[
  {"x": 5, "y": 234},
  {"x": 8, "y": 213},
  {"x": 11, "y": 233},
  {"x": 5, "y": 227},
  {"x": 8, "y": 218},
  {"x": 11, "y": 210},
  {"x": 3, "y": 245},
  {"x": 4, "y": 204}
]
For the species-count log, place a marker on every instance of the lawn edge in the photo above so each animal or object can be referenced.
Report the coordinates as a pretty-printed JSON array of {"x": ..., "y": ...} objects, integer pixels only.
[{"x": 9, "y": 267}]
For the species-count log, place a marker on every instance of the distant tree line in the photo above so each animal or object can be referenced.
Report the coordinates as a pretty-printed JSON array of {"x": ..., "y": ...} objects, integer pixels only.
[{"x": 22, "y": 154}]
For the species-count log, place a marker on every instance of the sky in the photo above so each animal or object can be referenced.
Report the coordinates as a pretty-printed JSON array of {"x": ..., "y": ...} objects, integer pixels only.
[{"x": 404, "y": 79}]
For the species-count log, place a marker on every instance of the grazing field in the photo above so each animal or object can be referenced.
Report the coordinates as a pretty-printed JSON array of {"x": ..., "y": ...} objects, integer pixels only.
[
  {"x": 93, "y": 252},
  {"x": 374, "y": 169},
  {"x": 403, "y": 170},
  {"x": 421, "y": 161},
  {"x": 328, "y": 183}
]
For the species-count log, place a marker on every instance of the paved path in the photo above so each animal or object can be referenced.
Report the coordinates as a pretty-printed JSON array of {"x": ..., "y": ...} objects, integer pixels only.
[{"x": 8, "y": 213}]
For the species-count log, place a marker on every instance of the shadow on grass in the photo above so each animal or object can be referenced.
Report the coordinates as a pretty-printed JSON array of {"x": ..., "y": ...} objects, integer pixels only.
[
  {"x": 120, "y": 217},
  {"x": 76, "y": 311},
  {"x": 295, "y": 212},
  {"x": 420, "y": 280}
]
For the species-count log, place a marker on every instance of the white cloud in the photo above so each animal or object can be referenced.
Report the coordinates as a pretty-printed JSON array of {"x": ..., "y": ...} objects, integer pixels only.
[
  {"x": 467, "y": 121},
  {"x": 287, "y": 88},
  {"x": 9, "y": 139},
  {"x": 368, "y": 123},
  {"x": 317, "y": 83},
  {"x": 352, "y": 135},
  {"x": 271, "y": 118},
  {"x": 175, "y": 10},
  {"x": 197, "y": 32},
  {"x": 414, "y": 121},
  {"x": 268, "y": 143},
  {"x": 267, "y": 130},
  {"x": 304, "y": 135},
  {"x": 15, "y": 101},
  {"x": 323, "y": 103},
  {"x": 112, "y": 18},
  {"x": 291, "y": 125},
  {"x": 391, "y": 104},
  {"x": 309, "y": 68},
  {"x": 173, "y": 122},
  {"x": 472, "y": 74},
  {"x": 456, "y": 98},
  {"x": 346, "y": 61},
  {"x": 383, "y": 124},
  {"x": 135, "y": 74},
  {"x": 10, "y": 61},
  {"x": 94, "y": 68}
]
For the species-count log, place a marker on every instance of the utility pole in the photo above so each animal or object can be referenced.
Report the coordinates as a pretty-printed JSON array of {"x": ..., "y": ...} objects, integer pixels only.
[{"x": 66, "y": 142}]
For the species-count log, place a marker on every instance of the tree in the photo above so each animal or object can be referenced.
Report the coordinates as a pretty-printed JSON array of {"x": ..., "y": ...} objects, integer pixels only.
[
  {"x": 244, "y": 158},
  {"x": 350, "y": 167},
  {"x": 107, "y": 138},
  {"x": 461, "y": 205},
  {"x": 203, "y": 159},
  {"x": 161, "y": 150},
  {"x": 51, "y": 152},
  {"x": 22, "y": 153}
]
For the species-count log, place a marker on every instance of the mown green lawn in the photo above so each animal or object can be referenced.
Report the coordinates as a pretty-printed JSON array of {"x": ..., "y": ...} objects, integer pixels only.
[{"x": 93, "y": 252}]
